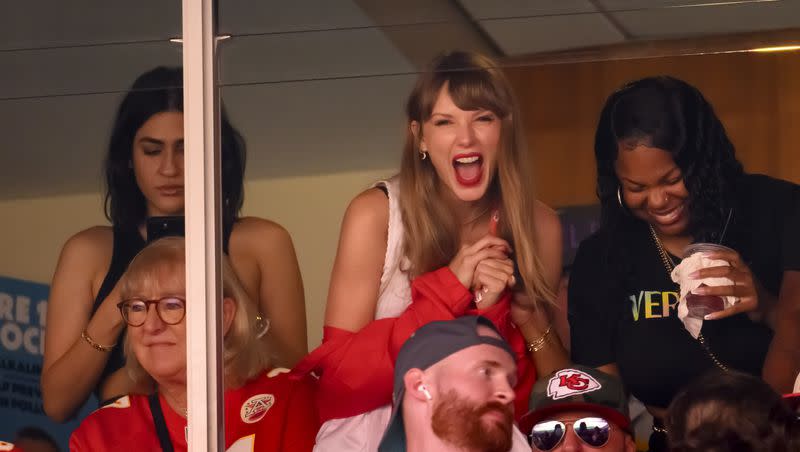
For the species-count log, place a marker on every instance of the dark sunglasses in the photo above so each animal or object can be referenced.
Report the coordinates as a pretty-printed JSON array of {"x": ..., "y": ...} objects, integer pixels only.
[{"x": 546, "y": 435}]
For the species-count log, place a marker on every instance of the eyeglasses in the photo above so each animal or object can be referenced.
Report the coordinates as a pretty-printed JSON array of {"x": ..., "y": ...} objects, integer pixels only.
[
  {"x": 546, "y": 435},
  {"x": 170, "y": 310}
]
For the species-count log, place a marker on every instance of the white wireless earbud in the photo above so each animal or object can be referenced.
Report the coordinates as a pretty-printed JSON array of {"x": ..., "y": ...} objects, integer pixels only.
[{"x": 424, "y": 390}]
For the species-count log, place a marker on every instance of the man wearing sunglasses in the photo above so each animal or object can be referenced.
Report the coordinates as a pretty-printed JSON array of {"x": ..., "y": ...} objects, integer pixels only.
[
  {"x": 454, "y": 391},
  {"x": 578, "y": 409}
]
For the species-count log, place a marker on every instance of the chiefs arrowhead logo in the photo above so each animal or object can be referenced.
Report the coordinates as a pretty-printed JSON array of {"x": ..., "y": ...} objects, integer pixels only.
[
  {"x": 256, "y": 407},
  {"x": 570, "y": 382}
]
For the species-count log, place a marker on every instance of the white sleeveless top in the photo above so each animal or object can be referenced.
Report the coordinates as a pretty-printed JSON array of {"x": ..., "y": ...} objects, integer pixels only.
[
  {"x": 363, "y": 432},
  {"x": 394, "y": 295}
]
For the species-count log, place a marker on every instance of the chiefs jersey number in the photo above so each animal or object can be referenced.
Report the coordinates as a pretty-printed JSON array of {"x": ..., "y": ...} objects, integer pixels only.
[{"x": 243, "y": 444}]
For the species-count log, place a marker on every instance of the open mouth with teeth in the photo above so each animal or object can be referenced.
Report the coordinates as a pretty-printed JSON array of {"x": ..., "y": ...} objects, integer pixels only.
[
  {"x": 468, "y": 169},
  {"x": 669, "y": 217}
]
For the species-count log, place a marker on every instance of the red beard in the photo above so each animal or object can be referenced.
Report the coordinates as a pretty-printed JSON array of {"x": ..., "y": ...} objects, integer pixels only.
[{"x": 460, "y": 422}]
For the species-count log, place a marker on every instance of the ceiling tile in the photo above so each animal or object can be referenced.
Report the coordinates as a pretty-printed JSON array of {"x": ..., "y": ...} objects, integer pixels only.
[
  {"x": 482, "y": 9},
  {"x": 273, "y": 16},
  {"x": 310, "y": 56},
  {"x": 542, "y": 34},
  {"x": 682, "y": 22},
  {"x": 617, "y": 5}
]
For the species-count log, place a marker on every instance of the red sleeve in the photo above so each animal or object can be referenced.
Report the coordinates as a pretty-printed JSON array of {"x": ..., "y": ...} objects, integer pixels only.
[
  {"x": 116, "y": 426},
  {"x": 88, "y": 437},
  {"x": 76, "y": 442},
  {"x": 4, "y": 446},
  {"x": 302, "y": 423},
  {"x": 356, "y": 369},
  {"x": 500, "y": 315}
]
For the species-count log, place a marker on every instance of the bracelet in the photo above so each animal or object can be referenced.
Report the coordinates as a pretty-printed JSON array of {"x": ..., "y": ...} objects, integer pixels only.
[
  {"x": 540, "y": 342},
  {"x": 95, "y": 345}
]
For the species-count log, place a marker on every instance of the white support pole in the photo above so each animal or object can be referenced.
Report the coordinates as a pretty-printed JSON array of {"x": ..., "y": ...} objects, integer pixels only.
[{"x": 202, "y": 182}]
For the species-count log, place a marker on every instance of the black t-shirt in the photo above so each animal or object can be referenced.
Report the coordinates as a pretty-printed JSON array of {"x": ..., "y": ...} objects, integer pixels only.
[{"x": 623, "y": 304}]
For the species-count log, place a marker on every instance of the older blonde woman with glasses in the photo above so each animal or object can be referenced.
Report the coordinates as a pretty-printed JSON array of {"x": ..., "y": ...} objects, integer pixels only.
[{"x": 264, "y": 408}]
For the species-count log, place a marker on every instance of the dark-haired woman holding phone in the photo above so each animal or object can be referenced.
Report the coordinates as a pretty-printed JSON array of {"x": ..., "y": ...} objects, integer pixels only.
[{"x": 144, "y": 179}]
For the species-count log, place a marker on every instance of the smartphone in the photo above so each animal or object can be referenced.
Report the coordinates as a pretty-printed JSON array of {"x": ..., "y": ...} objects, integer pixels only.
[{"x": 158, "y": 227}]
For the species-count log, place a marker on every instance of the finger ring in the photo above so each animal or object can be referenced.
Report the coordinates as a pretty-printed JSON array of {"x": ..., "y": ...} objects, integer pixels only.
[
  {"x": 478, "y": 297},
  {"x": 485, "y": 289}
]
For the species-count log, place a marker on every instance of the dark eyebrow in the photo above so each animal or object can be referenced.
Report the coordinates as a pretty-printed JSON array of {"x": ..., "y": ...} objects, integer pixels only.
[
  {"x": 151, "y": 141},
  {"x": 671, "y": 172},
  {"x": 632, "y": 182},
  {"x": 662, "y": 178}
]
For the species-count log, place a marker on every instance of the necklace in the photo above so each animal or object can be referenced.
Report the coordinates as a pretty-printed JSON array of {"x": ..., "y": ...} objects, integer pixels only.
[{"x": 669, "y": 265}]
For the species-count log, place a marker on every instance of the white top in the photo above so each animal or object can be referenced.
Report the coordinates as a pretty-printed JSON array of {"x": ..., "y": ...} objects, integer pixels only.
[
  {"x": 363, "y": 433},
  {"x": 394, "y": 295}
]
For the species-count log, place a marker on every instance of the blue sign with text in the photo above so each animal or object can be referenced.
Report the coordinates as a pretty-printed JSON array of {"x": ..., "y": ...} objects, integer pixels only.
[{"x": 23, "y": 311}]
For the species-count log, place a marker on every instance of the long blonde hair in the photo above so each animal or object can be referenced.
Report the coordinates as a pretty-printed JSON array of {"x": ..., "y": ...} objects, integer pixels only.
[
  {"x": 431, "y": 234},
  {"x": 244, "y": 355}
]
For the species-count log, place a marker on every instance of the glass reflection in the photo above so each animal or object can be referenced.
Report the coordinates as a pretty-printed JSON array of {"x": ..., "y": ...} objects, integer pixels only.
[{"x": 66, "y": 68}]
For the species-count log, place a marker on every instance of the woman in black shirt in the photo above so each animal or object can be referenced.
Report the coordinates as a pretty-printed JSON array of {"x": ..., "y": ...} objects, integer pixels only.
[{"x": 668, "y": 177}]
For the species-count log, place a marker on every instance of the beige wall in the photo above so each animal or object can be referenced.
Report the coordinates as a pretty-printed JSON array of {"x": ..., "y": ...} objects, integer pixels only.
[
  {"x": 33, "y": 231},
  {"x": 310, "y": 207},
  {"x": 756, "y": 96}
]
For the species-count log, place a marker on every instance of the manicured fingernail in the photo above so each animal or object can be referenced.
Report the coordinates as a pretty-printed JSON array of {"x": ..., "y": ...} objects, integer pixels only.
[
  {"x": 699, "y": 290},
  {"x": 709, "y": 317},
  {"x": 693, "y": 275}
]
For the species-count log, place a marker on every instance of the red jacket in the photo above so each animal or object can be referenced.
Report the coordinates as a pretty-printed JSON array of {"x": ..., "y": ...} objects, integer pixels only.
[
  {"x": 270, "y": 413},
  {"x": 356, "y": 370},
  {"x": 4, "y": 446}
]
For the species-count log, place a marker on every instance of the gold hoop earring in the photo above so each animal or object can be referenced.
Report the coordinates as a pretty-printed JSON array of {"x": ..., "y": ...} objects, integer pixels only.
[{"x": 261, "y": 326}]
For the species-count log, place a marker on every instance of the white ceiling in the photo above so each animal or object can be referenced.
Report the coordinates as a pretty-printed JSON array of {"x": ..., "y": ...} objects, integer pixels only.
[
  {"x": 315, "y": 85},
  {"x": 522, "y": 27}
]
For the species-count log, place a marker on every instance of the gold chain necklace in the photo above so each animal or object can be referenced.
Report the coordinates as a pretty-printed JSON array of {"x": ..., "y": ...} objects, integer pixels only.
[
  {"x": 670, "y": 265},
  {"x": 665, "y": 257}
]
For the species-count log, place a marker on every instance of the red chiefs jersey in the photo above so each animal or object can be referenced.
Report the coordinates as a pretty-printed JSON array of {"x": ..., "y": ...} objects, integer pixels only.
[
  {"x": 269, "y": 413},
  {"x": 8, "y": 447}
]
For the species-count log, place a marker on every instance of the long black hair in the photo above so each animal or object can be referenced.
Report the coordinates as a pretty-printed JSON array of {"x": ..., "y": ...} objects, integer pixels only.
[
  {"x": 156, "y": 91},
  {"x": 672, "y": 115}
]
